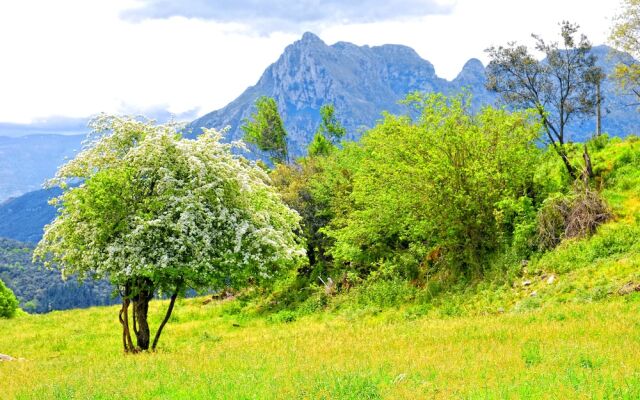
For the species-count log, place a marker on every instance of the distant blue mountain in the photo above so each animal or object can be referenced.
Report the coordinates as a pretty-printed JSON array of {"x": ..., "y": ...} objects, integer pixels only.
[
  {"x": 360, "y": 81},
  {"x": 27, "y": 161},
  {"x": 23, "y": 218}
]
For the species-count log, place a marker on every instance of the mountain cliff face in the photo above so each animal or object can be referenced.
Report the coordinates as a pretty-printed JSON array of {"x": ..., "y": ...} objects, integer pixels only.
[
  {"x": 360, "y": 81},
  {"x": 363, "y": 81}
]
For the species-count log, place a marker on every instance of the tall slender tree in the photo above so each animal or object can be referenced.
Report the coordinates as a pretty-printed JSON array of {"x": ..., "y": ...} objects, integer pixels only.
[
  {"x": 329, "y": 132},
  {"x": 560, "y": 88},
  {"x": 625, "y": 36},
  {"x": 265, "y": 130}
]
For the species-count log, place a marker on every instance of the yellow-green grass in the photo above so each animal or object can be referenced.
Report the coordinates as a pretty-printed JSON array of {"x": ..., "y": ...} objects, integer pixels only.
[{"x": 565, "y": 351}]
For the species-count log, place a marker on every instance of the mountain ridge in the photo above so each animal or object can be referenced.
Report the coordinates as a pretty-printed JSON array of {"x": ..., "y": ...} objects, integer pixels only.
[
  {"x": 360, "y": 81},
  {"x": 363, "y": 81}
]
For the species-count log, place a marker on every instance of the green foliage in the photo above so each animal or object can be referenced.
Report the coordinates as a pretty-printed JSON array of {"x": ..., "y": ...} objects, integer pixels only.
[
  {"x": 417, "y": 187},
  {"x": 330, "y": 127},
  {"x": 320, "y": 146},
  {"x": 265, "y": 130},
  {"x": 170, "y": 210},
  {"x": 284, "y": 316},
  {"x": 328, "y": 134},
  {"x": 294, "y": 182},
  {"x": 8, "y": 302},
  {"x": 610, "y": 242},
  {"x": 383, "y": 293},
  {"x": 157, "y": 213},
  {"x": 561, "y": 88},
  {"x": 624, "y": 36},
  {"x": 516, "y": 219}
]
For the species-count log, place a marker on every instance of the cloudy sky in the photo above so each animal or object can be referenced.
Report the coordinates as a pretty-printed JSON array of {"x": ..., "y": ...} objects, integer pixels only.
[{"x": 65, "y": 60}]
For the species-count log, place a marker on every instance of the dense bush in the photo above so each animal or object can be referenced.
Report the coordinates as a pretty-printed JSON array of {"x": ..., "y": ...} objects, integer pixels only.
[
  {"x": 8, "y": 302},
  {"x": 424, "y": 193}
]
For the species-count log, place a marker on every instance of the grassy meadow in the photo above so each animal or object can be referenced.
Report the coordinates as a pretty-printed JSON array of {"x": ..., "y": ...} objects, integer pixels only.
[
  {"x": 568, "y": 351},
  {"x": 565, "y": 324}
]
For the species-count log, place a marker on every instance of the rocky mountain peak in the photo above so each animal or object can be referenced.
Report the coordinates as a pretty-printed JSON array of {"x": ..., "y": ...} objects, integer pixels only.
[
  {"x": 360, "y": 81},
  {"x": 309, "y": 38},
  {"x": 473, "y": 66}
]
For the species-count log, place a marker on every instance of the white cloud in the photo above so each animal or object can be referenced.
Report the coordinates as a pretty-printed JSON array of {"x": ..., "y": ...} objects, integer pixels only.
[
  {"x": 267, "y": 16},
  {"x": 75, "y": 58},
  {"x": 448, "y": 41}
]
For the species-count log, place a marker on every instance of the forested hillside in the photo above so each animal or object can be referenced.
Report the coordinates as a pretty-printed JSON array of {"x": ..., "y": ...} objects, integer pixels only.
[
  {"x": 23, "y": 218},
  {"x": 41, "y": 290}
]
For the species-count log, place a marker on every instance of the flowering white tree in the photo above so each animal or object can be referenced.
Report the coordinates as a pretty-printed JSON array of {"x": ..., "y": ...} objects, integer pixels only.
[{"x": 154, "y": 212}]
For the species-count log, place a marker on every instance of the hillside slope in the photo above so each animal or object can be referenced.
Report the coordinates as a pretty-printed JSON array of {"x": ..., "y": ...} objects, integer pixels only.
[
  {"x": 42, "y": 290},
  {"x": 23, "y": 218}
]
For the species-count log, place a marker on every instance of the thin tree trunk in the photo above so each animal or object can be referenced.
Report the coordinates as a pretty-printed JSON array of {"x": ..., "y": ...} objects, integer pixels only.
[
  {"x": 124, "y": 332},
  {"x": 557, "y": 140},
  {"x": 588, "y": 168},
  {"x": 125, "y": 326},
  {"x": 598, "y": 110},
  {"x": 166, "y": 317},
  {"x": 141, "y": 307},
  {"x": 565, "y": 159},
  {"x": 135, "y": 322}
]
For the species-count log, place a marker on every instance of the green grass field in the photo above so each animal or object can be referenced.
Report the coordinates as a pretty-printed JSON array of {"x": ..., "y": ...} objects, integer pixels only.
[
  {"x": 568, "y": 351},
  {"x": 526, "y": 336}
]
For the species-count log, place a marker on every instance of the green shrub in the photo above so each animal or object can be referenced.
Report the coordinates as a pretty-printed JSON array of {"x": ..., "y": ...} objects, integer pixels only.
[
  {"x": 611, "y": 240},
  {"x": 316, "y": 302},
  {"x": 385, "y": 293},
  {"x": 531, "y": 353},
  {"x": 8, "y": 302},
  {"x": 231, "y": 308},
  {"x": 284, "y": 316}
]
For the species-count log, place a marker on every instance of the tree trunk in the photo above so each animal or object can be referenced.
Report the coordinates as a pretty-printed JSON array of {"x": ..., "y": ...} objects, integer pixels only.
[
  {"x": 565, "y": 159},
  {"x": 124, "y": 320},
  {"x": 125, "y": 347},
  {"x": 166, "y": 317},
  {"x": 598, "y": 110},
  {"x": 557, "y": 140},
  {"x": 588, "y": 168},
  {"x": 141, "y": 306}
]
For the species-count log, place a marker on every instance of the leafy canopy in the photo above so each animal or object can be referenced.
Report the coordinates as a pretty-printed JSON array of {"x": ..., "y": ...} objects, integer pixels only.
[
  {"x": 8, "y": 302},
  {"x": 560, "y": 88},
  {"x": 328, "y": 134},
  {"x": 265, "y": 130},
  {"x": 166, "y": 210},
  {"x": 429, "y": 186},
  {"x": 625, "y": 36}
]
